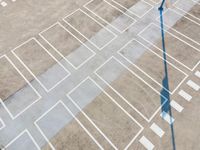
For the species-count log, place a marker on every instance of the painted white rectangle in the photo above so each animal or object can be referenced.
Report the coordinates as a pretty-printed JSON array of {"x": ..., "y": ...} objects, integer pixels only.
[
  {"x": 157, "y": 130},
  {"x": 185, "y": 7},
  {"x": 139, "y": 9},
  {"x": 101, "y": 39},
  {"x": 85, "y": 93},
  {"x": 171, "y": 15},
  {"x": 146, "y": 34},
  {"x": 197, "y": 73},
  {"x": 120, "y": 23},
  {"x": 59, "y": 115},
  {"x": 4, "y": 4},
  {"x": 185, "y": 95},
  {"x": 52, "y": 77},
  {"x": 193, "y": 85},
  {"x": 176, "y": 106},
  {"x": 110, "y": 70},
  {"x": 146, "y": 143},
  {"x": 134, "y": 49},
  {"x": 23, "y": 141},
  {"x": 75, "y": 57},
  {"x": 167, "y": 117},
  {"x": 24, "y": 98}
]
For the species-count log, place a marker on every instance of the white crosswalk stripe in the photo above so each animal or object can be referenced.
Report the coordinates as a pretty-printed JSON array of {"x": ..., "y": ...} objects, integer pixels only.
[
  {"x": 4, "y": 4},
  {"x": 167, "y": 117},
  {"x": 157, "y": 130},
  {"x": 193, "y": 85},
  {"x": 146, "y": 143},
  {"x": 197, "y": 73},
  {"x": 185, "y": 95},
  {"x": 176, "y": 106}
]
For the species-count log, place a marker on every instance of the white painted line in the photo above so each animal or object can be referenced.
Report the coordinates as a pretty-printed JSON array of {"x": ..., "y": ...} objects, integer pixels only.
[
  {"x": 74, "y": 117},
  {"x": 197, "y": 73},
  {"x": 167, "y": 117},
  {"x": 157, "y": 130},
  {"x": 156, "y": 1},
  {"x": 4, "y": 4},
  {"x": 196, "y": 1},
  {"x": 88, "y": 79},
  {"x": 92, "y": 53},
  {"x": 179, "y": 4},
  {"x": 100, "y": 47},
  {"x": 140, "y": 9},
  {"x": 169, "y": 13},
  {"x": 176, "y": 106},
  {"x": 2, "y": 124},
  {"x": 148, "y": 119},
  {"x": 146, "y": 143},
  {"x": 139, "y": 68},
  {"x": 115, "y": 24},
  {"x": 14, "y": 116},
  {"x": 47, "y": 84},
  {"x": 18, "y": 137},
  {"x": 185, "y": 95},
  {"x": 193, "y": 85},
  {"x": 152, "y": 28}
]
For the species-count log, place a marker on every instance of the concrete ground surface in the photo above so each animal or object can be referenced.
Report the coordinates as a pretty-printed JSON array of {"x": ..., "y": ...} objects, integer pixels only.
[{"x": 90, "y": 75}]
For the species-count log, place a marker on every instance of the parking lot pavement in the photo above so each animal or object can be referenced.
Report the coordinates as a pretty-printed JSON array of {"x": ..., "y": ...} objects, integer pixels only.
[{"x": 90, "y": 75}]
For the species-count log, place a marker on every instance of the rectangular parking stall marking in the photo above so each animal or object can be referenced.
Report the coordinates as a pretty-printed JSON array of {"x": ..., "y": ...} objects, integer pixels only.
[
  {"x": 157, "y": 130},
  {"x": 60, "y": 119},
  {"x": 197, "y": 73},
  {"x": 182, "y": 5},
  {"x": 182, "y": 24},
  {"x": 151, "y": 64},
  {"x": 68, "y": 46},
  {"x": 138, "y": 8},
  {"x": 35, "y": 62},
  {"x": 100, "y": 113},
  {"x": 193, "y": 85},
  {"x": 78, "y": 18},
  {"x": 174, "y": 45},
  {"x": 109, "y": 13},
  {"x": 167, "y": 117},
  {"x": 18, "y": 103},
  {"x": 127, "y": 85},
  {"x": 2, "y": 124},
  {"x": 185, "y": 95},
  {"x": 23, "y": 141},
  {"x": 176, "y": 106},
  {"x": 146, "y": 143}
]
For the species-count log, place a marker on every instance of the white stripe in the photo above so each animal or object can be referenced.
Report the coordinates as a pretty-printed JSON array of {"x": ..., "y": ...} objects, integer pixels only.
[
  {"x": 193, "y": 85},
  {"x": 4, "y": 4},
  {"x": 167, "y": 117},
  {"x": 146, "y": 143},
  {"x": 197, "y": 73},
  {"x": 176, "y": 106},
  {"x": 156, "y": 129},
  {"x": 185, "y": 95}
]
